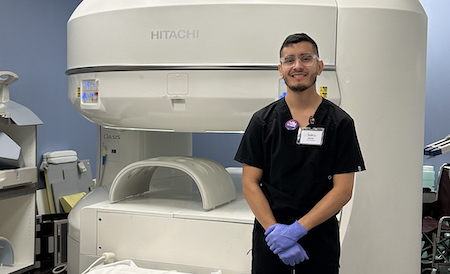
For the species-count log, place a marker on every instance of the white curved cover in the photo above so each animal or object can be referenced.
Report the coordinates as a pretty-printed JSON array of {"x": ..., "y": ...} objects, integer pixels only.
[
  {"x": 187, "y": 66},
  {"x": 213, "y": 181},
  {"x": 193, "y": 32}
]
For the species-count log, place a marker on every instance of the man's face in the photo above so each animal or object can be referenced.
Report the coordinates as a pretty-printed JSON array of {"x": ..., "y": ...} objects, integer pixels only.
[{"x": 300, "y": 77}]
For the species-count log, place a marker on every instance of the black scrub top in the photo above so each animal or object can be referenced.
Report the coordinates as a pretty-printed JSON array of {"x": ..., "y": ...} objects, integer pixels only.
[{"x": 297, "y": 176}]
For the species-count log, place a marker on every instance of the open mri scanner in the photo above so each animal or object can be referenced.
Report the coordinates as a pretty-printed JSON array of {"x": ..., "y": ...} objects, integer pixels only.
[{"x": 150, "y": 73}]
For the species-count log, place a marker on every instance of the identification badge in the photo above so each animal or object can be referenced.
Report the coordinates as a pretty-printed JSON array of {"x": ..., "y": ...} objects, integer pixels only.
[{"x": 310, "y": 136}]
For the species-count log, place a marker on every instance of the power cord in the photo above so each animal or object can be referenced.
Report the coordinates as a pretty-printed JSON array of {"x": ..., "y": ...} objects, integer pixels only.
[
  {"x": 104, "y": 151},
  {"x": 107, "y": 257},
  {"x": 59, "y": 269}
]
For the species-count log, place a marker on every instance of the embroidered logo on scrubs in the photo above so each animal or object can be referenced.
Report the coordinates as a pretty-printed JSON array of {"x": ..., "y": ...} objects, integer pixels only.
[{"x": 291, "y": 124}]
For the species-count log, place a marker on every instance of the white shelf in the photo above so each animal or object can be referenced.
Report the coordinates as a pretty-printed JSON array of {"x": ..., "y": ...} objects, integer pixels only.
[
  {"x": 18, "y": 201},
  {"x": 18, "y": 226},
  {"x": 16, "y": 267},
  {"x": 17, "y": 177}
]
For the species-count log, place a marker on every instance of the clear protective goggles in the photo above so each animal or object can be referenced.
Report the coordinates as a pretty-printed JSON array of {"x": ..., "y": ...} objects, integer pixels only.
[{"x": 305, "y": 60}]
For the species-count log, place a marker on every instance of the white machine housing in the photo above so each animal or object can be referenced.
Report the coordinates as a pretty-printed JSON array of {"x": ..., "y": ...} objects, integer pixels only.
[
  {"x": 171, "y": 66},
  {"x": 205, "y": 66}
]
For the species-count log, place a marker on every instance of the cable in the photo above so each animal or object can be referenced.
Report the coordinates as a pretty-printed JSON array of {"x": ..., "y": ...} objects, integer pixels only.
[
  {"x": 59, "y": 269},
  {"x": 104, "y": 154},
  {"x": 93, "y": 264},
  {"x": 108, "y": 257}
]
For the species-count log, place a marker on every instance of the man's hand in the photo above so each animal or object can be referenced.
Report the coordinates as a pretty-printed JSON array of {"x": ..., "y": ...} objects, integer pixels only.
[
  {"x": 293, "y": 255},
  {"x": 280, "y": 237}
]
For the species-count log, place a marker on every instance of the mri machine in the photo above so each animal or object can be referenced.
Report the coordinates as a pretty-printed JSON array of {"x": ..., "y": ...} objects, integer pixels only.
[{"x": 150, "y": 73}]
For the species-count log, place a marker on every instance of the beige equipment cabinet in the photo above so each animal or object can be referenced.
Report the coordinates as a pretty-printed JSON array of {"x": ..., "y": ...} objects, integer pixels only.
[{"x": 18, "y": 185}]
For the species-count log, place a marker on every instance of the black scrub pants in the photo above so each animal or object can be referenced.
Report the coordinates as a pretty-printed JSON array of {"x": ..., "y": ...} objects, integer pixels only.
[{"x": 264, "y": 261}]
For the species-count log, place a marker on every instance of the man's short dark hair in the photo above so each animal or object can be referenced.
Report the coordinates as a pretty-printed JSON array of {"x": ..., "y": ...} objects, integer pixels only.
[{"x": 297, "y": 38}]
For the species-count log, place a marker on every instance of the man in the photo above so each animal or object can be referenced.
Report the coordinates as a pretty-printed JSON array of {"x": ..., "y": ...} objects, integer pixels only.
[{"x": 299, "y": 157}]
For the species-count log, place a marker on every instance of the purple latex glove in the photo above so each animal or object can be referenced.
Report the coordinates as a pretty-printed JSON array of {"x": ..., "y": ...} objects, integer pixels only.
[
  {"x": 280, "y": 237},
  {"x": 293, "y": 255}
]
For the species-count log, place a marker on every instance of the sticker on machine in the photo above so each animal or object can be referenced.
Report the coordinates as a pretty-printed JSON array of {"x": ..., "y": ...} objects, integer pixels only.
[{"x": 323, "y": 91}]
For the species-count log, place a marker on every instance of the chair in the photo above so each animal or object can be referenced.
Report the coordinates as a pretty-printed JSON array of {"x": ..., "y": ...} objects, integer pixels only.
[{"x": 435, "y": 225}]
